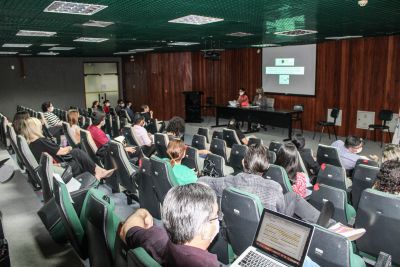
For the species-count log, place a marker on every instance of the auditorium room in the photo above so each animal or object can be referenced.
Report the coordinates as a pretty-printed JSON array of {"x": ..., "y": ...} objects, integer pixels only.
[{"x": 199, "y": 133}]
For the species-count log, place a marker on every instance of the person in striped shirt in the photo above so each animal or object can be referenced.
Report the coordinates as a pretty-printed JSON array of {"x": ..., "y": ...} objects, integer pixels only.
[{"x": 53, "y": 122}]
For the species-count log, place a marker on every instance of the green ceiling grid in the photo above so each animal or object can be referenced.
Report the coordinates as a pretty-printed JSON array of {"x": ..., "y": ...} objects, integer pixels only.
[{"x": 142, "y": 24}]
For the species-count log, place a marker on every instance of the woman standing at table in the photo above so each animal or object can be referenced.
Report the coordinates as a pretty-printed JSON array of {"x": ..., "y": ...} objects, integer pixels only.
[{"x": 243, "y": 100}]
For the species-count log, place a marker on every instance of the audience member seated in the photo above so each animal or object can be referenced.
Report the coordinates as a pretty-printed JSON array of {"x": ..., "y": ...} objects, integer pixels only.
[
  {"x": 53, "y": 122},
  {"x": 73, "y": 120},
  {"x": 191, "y": 221},
  {"x": 120, "y": 106},
  {"x": 96, "y": 106},
  {"x": 232, "y": 124},
  {"x": 19, "y": 117},
  {"x": 243, "y": 100},
  {"x": 391, "y": 152},
  {"x": 106, "y": 106},
  {"x": 176, "y": 151},
  {"x": 143, "y": 137},
  {"x": 100, "y": 138},
  {"x": 150, "y": 122},
  {"x": 288, "y": 158},
  {"x": 76, "y": 158},
  {"x": 309, "y": 161},
  {"x": 260, "y": 99},
  {"x": 176, "y": 128},
  {"x": 388, "y": 178},
  {"x": 255, "y": 163},
  {"x": 129, "y": 109}
]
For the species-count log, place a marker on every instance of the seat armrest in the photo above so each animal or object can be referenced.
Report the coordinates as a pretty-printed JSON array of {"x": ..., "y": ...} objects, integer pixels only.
[{"x": 384, "y": 260}]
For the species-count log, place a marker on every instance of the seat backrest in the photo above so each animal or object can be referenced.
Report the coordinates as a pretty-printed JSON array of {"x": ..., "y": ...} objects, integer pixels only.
[
  {"x": 253, "y": 140},
  {"x": 29, "y": 160},
  {"x": 69, "y": 218},
  {"x": 46, "y": 173},
  {"x": 116, "y": 126},
  {"x": 329, "y": 155},
  {"x": 100, "y": 225},
  {"x": 237, "y": 155},
  {"x": 162, "y": 177},
  {"x": 364, "y": 177},
  {"x": 218, "y": 147},
  {"x": 271, "y": 156},
  {"x": 335, "y": 114},
  {"x": 161, "y": 142},
  {"x": 128, "y": 118},
  {"x": 379, "y": 214},
  {"x": 204, "y": 132},
  {"x": 336, "y": 196},
  {"x": 332, "y": 176},
  {"x": 89, "y": 146},
  {"x": 274, "y": 146},
  {"x": 242, "y": 212},
  {"x": 230, "y": 137},
  {"x": 4, "y": 124},
  {"x": 125, "y": 172},
  {"x": 331, "y": 249},
  {"x": 42, "y": 118},
  {"x": 147, "y": 193},
  {"x": 199, "y": 141},
  {"x": 138, "y": 257},
  {"x": 213, "y": 165},
  {"x": 14, "y": 145},
  {"x": 217, "y": 134},
  {"x": 191, "y": 157},
  {"x": 385, "y": 115},
  {"x": 68, "y": 134},
  {"x": 279, "y": 175},
  {"x": 368, "y": 162},
  {"x": 108, "y": 125},
  {"x": 127, "y": 132}
]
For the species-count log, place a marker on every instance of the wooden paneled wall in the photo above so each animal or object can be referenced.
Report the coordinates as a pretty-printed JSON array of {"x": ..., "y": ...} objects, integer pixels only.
[{"x": 357, "y": 74}]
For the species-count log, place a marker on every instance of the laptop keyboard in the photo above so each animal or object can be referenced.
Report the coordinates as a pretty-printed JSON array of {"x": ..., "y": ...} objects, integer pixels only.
[{"x": 255, "y": 259}]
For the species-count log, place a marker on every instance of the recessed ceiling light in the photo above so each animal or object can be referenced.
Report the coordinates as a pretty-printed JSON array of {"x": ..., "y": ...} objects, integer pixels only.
[
  {"x": 73, "y": 8},
  {"x": 298, "y": 32},
  {"x": 141, "y": 50},
  {"x": 343, "y": 37},
  {"x": 61, "y": 48},
  {"x": 183, "y": 43},
  {"x": 264, "y": 45},
  {"x": 48, "y": 54},
  {"x": 239, "y": 34},
  {"x": 8, "y": 52},
  {"x": 195, "y": 20},
  {"x": 124, "y": 53},
  {"x": 98, "y": 23},
  {"x": 49, "y": 44},
  {"x": 90, "y": 39},
  {"x": 25, "y": 54},
  {"x": 35, "y": 33},
  {"x": 17, "y": 45}
]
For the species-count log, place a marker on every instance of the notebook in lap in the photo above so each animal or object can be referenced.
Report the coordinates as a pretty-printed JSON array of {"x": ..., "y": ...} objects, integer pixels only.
[{"x": 279, "y": 241}]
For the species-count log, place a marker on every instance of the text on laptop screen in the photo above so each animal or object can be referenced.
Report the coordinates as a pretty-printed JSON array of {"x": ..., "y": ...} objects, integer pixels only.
[{"x": 283, "y": 238}]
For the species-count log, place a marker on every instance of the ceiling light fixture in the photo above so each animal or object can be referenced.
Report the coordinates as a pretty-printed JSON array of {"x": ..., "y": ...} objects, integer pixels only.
[
  {"x": 35, "y": 33},
  {"x": 17, "y": 45},
  {"x": 343, "y": 37},
  {"x": 362, "y": 3},
  {"x": 195, "y": 20},
  {"x": 90, "y": 39},
  {"x": 73, "y": 8},
  {"x": 183, "y": 43},
  {"x": 61, "y": 48},
  {"x": 25, "y": 54},
  {"x": 49, "y": 44},
  {"x": 48, "y": 54},
  {"x": 8, "y": 52},
  {"x": 138, "y": 50},
  {"x": 297, "y": 32},
  {"x": 124, "y": 53},
  {"x": 98, "y": 23},
  {"x": 264, "y": 45},
  {"x": 239, "y": 34}
]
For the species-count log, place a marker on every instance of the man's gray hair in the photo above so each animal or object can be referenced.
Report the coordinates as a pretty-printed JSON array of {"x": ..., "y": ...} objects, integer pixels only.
[{"x": 186, "y": 209}]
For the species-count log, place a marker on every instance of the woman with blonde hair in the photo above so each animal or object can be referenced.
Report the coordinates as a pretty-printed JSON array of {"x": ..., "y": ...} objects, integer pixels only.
[
  {"x": 78, "y": 160},
  {"x": 73, "y": 120},
  {"x": 176, "y": 151}
]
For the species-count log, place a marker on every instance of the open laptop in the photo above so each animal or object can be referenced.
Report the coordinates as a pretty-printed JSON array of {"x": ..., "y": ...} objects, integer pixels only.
[{"x": 279, "y": 241}]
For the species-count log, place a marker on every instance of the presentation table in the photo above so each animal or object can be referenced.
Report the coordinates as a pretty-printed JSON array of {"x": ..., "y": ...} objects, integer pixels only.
[{"x": 265, "y": 116}]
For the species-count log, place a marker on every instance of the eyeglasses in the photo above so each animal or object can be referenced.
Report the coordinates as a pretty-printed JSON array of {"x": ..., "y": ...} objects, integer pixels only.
[{"x": 220, "y": 216}]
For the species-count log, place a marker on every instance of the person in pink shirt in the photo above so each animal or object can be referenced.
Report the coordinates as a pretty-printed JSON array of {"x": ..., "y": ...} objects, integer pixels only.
[
  {"x": 143, "y": 137},
  {"x": 288, "y": 158},
  {"x": 243, "y": 99}
]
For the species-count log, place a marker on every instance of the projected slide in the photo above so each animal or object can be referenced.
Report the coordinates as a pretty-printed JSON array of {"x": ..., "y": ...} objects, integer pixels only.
[{"x": 289, "y": 69}]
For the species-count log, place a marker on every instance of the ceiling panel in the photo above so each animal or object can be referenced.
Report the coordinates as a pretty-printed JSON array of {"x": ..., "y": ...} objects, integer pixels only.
[{"x": 144, "y": 24}]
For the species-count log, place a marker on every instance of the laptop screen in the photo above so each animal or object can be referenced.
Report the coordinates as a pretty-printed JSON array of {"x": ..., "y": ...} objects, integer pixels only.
[{"x": 283, "y": 237}]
